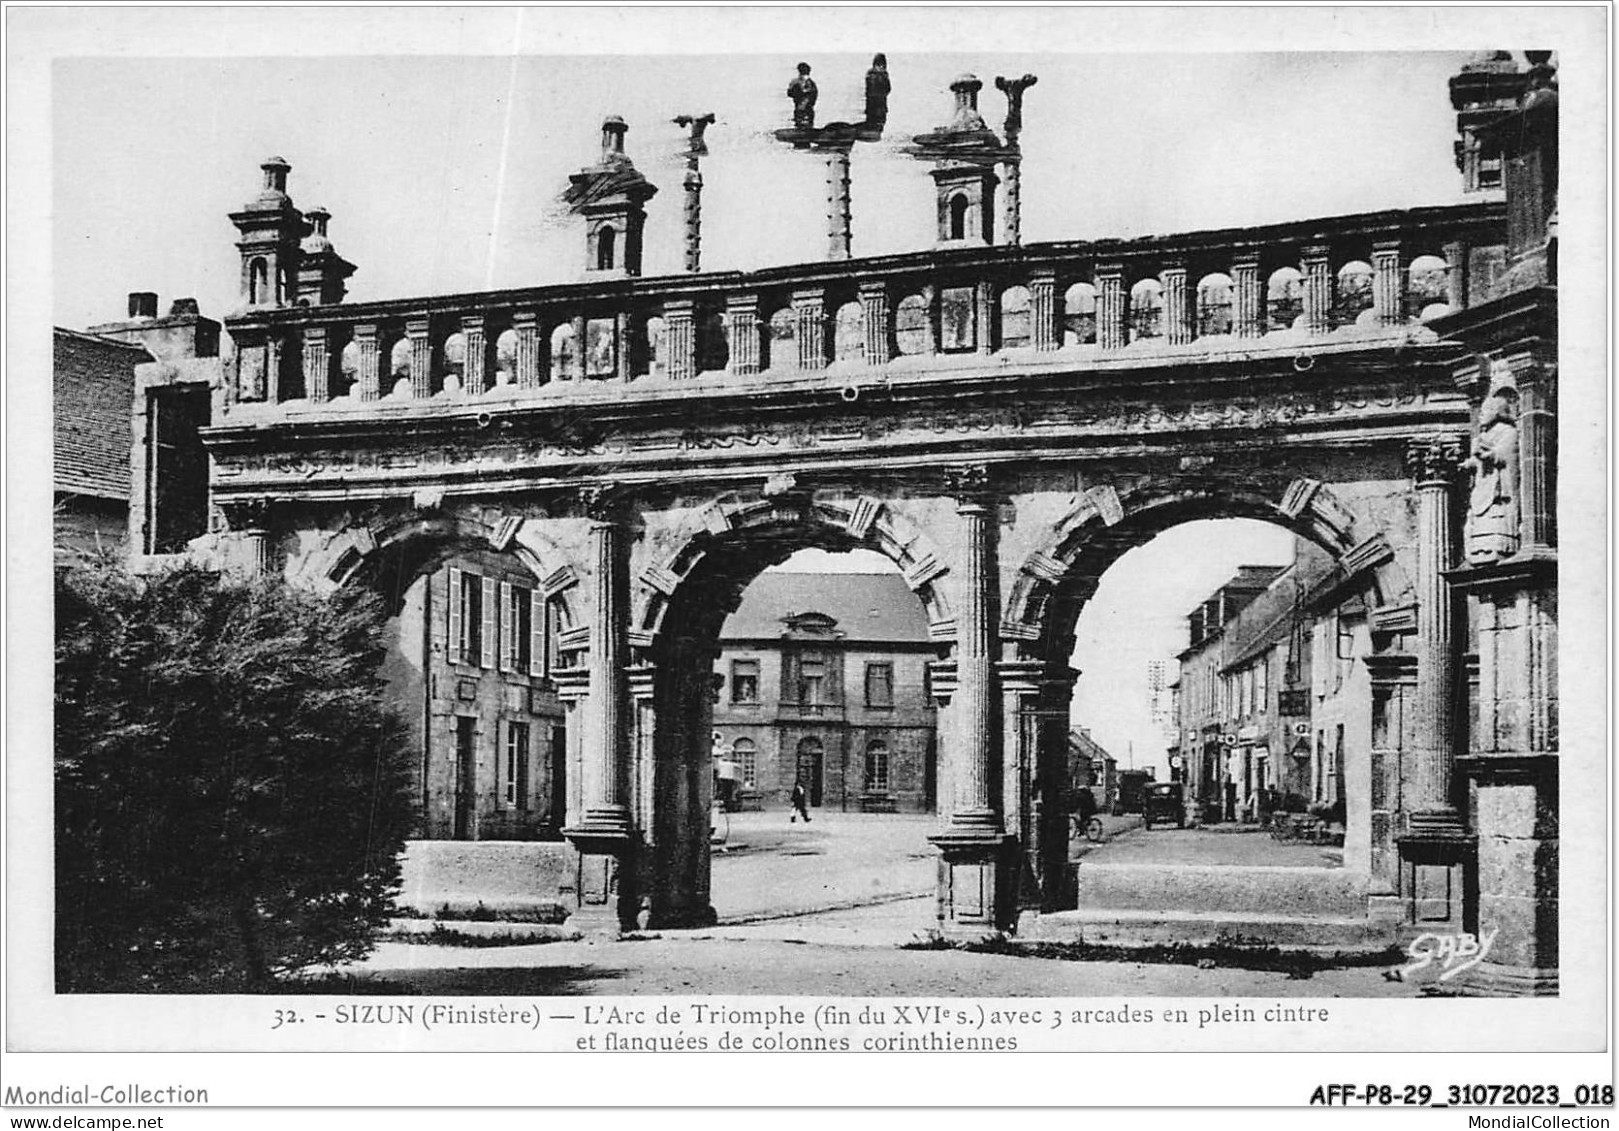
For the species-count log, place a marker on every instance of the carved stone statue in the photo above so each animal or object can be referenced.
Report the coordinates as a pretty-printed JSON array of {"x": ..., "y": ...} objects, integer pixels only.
[
  {"x": 1492, "y": 512},
  {"x": 803, "y": 92},
  {"x": 877, "y": 88}
]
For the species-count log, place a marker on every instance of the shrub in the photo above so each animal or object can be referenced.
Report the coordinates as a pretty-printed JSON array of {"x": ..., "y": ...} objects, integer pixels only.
[{"x": 231, "y": 791}]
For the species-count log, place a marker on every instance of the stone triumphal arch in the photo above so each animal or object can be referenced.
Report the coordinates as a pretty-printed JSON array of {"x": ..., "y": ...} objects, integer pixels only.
[{"x": 1001, "y": 421}]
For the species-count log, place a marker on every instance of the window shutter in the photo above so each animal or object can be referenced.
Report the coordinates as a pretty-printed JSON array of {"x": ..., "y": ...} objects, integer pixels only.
[
  {"x": 537, "y": 621},
  {"x": 522, "y": 767},
  {"x": 508, "y": 629},
  {"x": 488, "y": 622},
  {"x": 453, "y": 647}
]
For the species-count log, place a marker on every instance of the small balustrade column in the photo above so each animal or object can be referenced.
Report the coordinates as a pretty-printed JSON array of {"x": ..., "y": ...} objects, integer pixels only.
[
  {"x": 1178, "y": 329},
  {"x": 1247, "y": 299},
  {"x": 368, "y": 371},
  {"x": 742, "y": 316},
  {"x": 477, "y": 375},
  {"x": 1316, "y": 267},
  {"x": 529, "y": 374},
  {"x": 1110, "y": 306},
  {"x": 1388, "y": 284},
  {"x": 1435, "y": 465},
  {"x": 680, "y": 338},
  {"x": 988, "y": 314},
  {"x": 1456, "y": 275},
  {"x": 809, "y": 328},
  {"x": 878, "y": 321},
  {"x": 317, "y": 365},
  {"x": 418, "y": 331},
  {"x": 275, "y": 384},
  {"x": 1044, "y": 328}
]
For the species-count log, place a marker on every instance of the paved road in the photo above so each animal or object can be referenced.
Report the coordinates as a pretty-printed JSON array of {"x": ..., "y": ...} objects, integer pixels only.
[
  {"x": 1220, "y": 845},
  {"x": 784, "y": 893}
]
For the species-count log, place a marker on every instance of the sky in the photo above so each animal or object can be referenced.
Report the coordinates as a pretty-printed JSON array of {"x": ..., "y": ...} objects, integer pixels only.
[
  {"x": 443, "y": 173},
  {"x": 443, "y": 168}
]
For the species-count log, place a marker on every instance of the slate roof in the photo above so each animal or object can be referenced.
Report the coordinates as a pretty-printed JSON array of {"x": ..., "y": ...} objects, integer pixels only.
[
  {"x": 869, "y": 607},
  {"x": 93, "y": 390}
]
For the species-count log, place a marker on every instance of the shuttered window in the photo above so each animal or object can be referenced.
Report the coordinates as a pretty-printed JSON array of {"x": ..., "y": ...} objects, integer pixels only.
[
  {"x": 453, "y": 601},
  {"x": 487, "y": 656}
]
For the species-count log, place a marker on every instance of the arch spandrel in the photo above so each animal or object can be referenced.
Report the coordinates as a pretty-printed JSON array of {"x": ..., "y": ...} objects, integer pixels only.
[{"x": 1053, "y": 582}]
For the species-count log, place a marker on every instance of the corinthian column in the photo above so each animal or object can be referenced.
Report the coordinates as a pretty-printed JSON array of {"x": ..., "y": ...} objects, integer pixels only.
[
  {"x": 1177, "y": 304},
  {"x": 1110, "y": 306},
  {"x": 604, "y": 835},
  {"x": 977, "y": 882},
  {"x": 1434, "y": 463}
]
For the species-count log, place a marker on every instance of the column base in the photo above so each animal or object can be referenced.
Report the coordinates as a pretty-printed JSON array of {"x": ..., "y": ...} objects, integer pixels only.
[
  {"x": 977, "y": 892},
  {"x": 679, "y": 918},
  {"x": 1438, "y": 875},
  {"x": 604, "y": 888}
]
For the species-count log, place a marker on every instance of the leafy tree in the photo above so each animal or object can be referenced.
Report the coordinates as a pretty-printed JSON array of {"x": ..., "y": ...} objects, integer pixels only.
[{"x": 231, "y": 791}]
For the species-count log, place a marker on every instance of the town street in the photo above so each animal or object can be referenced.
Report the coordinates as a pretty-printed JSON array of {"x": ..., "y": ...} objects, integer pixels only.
[{"x": 823, "y": 910}]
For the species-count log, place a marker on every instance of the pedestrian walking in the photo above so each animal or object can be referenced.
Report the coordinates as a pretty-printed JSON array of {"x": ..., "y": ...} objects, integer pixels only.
[{"x": 800, "y": 801}]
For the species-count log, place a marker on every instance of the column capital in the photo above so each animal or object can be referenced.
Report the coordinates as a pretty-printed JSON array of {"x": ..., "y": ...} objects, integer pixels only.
[
  {"x": 809, "y": 296},
  {"x": 315, "y": 333},
  {"x": 525, "y": 320},
  {"x": 1109, "y": 268},
  {"x": 604, "y": 504},
  {"x": 418, "y": 327},
  {"x": 746, "y": 300},
  {"x": 1434, "y": 461},
  {"x": 971, "y": 485},
  {"x": 366, "y": 332},
  {"x": 246, "y": 514},
  {"x": 1315, "y": 253},
  {"x": 1175, "y": 263},
  {"x": 1386, "y": 247},
  {"x": 876, "y": 288},
  {"x": 471, "y": 322},
  {"x": 1247, "y": 259}
]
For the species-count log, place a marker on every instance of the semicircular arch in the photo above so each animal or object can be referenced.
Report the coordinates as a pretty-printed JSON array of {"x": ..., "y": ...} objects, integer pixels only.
[{"x": 1054, "y": 582}]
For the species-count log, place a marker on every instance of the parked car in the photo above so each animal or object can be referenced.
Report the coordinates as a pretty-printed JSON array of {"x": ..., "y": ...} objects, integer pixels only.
[
  {"x": 1132, "y": 791},
  {"x": 1163, "y": 802}
]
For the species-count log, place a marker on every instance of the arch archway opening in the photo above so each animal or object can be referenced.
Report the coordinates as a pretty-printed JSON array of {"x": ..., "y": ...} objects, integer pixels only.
[
  {"x": 474, "y": 650},
  {"x": 793, "y": 666}
]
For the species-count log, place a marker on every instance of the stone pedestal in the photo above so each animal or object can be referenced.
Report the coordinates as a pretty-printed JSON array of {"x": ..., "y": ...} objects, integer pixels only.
[{"x": 977, "y": 883}]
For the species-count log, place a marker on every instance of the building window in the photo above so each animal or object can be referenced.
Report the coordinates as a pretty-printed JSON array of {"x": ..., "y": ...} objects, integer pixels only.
[
  {"x": 958, "y": 217},
  {"x": 879, "y": 685},
  {"x": 467, "y": 612},
  {"x": 517, "y": 629},
  {"x": 746, "y": 755},
  {"x": 877, "y": 768},
  {"x": 1262, "y": 686},
  {"x": 514, "y": 782},
  {"x": 744, "y": 681},
  {"x": 606, "y": 244}
]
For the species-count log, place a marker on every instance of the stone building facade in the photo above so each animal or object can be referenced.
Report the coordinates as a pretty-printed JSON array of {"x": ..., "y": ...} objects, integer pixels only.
[{"x": 823, "y": 679}]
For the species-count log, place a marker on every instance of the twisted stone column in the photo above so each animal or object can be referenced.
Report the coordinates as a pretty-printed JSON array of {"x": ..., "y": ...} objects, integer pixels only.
[
  {"x": 694, "y": 219},
  {"x": 368, "y": 374},
  {"x": 1012, "y": 171},
  {"x": 839, "y": 236},
  {"x": 1434, "y": 464},
  {"x": 1110, "y": 306},
  {"x": 1247, "y": 298},
  {"x": 317, "y": 361},
  {"x": 1317, "y": 270},
  {"x": 1178, "y": 327},
  {"x": 417, "y": 332}
]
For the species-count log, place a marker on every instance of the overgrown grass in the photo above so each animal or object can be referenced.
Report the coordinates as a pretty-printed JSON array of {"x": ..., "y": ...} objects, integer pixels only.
[
  {"x": 1234, "y": 952},
  {"x": 441, "y": 935}
]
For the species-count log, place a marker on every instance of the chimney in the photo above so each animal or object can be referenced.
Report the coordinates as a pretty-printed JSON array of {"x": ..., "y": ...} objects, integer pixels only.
[
  {"x": 183, "y": 306},
  {"x": 142, "y": 304}
]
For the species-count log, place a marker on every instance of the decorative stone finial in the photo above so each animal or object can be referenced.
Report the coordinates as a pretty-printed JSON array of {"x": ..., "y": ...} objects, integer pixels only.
[{"x": 803, "y": 91}]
